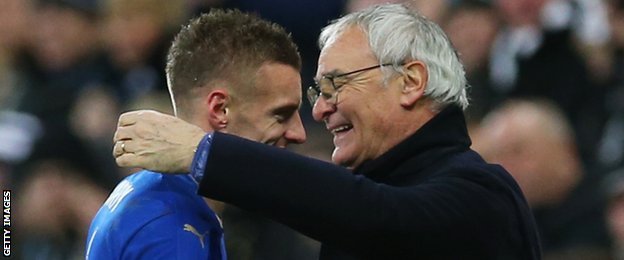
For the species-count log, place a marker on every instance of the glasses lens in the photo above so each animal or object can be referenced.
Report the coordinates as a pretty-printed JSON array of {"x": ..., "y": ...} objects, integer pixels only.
[
  {"x": 313, "y": 93},
  {"x": 327, "y": 88}
]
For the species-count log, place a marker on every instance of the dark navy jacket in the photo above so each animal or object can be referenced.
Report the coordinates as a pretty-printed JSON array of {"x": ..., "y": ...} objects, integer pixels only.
[{"x": 430, "y": 197}]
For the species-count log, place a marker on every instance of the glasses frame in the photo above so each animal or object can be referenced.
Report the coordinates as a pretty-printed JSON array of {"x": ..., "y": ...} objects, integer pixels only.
[{"x": 314, "y": 91}]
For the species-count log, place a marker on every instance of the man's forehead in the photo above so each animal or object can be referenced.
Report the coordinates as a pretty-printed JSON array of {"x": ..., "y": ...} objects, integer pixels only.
[
  {"x": 278, "y": 80},
  {"x": 350, "y": 38},
  {"x": 347, "y": 51}
]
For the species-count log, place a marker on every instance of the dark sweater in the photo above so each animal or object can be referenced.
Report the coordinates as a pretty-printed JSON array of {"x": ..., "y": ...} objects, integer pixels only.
[{"x": 430, "y": 197}]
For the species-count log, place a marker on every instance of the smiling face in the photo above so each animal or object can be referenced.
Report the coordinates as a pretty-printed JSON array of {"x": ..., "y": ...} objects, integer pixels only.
[
  {"x": 271, "y": 115},
  {"x": 362, "y": 116}
]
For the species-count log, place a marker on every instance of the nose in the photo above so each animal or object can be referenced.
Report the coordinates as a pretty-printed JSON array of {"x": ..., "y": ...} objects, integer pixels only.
[
  {"x": 322, "y": 109},
  {"x": 295, "y": 132}
]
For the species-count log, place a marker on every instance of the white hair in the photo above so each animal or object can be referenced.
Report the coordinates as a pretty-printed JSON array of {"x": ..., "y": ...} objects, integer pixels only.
[{"x": 397, "y": 34}]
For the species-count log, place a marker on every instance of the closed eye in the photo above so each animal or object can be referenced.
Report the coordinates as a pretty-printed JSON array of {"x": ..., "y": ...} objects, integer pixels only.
[
  {"x": 280, "y": 118},
  {"x": 283, "y": 114}
]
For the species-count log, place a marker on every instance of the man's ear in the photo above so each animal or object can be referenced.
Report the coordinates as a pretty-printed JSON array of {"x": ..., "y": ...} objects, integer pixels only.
[
  {"x": 217, "y": 102},
  {"x": 415, "y": 78}
]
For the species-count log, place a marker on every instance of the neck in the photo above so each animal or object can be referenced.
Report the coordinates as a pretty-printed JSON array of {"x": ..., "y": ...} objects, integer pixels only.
[{"x": 420, "y": 114}]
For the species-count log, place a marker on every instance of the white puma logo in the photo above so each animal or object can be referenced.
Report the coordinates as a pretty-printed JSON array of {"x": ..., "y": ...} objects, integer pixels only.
[{"x": 189, "y": 228}]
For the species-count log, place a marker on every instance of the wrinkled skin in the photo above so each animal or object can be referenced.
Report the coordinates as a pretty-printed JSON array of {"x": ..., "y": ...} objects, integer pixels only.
[{"x": 148, "y": 141}]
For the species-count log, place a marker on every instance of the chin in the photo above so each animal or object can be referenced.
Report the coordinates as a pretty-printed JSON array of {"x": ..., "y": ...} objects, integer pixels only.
[{"x": 339, "y": 158}]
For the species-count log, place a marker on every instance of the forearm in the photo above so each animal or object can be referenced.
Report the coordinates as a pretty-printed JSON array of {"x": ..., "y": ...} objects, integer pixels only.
[{"x": 319, "y": 199}]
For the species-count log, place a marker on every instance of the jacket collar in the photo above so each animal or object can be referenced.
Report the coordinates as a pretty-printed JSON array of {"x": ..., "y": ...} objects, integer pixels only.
[{"x": 443, "y": 134}]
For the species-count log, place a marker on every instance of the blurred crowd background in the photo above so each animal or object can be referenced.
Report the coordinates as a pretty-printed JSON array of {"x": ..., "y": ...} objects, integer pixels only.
[{"x": 546, "y": 85}]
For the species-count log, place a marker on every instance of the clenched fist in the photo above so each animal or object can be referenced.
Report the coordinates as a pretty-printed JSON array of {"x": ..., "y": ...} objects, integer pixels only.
[{"x": 155, "y": 141}]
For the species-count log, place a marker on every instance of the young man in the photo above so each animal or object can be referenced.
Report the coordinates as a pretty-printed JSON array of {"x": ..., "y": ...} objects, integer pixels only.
[{"x": 228, "y": 72}]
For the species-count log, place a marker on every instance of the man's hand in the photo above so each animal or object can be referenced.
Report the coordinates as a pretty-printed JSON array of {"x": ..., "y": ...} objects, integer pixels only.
[{"x": 155, "y": 141}]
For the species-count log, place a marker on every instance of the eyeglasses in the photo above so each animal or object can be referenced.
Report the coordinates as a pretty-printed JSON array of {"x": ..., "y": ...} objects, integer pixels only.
[{"x": 329, "y": 85}]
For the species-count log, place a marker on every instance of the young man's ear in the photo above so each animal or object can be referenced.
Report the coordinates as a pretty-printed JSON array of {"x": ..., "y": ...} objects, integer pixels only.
[
  {"x": 217, "y": 102},
  {"x": 415, "y": 79}
]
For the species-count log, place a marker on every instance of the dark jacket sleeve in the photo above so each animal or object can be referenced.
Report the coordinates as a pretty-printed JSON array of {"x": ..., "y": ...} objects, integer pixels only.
[{"x": 331, "y": 204}]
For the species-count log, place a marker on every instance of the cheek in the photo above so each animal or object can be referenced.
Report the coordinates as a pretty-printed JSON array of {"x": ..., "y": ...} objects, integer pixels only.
[
  {"x": 373, "y": 122},
  {"x": 273, "y": 132},
  {"x": 268, "y": 129},
  {"x": 371, "y": 132}
]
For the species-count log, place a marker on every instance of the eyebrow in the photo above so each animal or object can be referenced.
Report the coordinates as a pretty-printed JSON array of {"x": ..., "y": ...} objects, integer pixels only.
[{"x": 331, "y": 73}]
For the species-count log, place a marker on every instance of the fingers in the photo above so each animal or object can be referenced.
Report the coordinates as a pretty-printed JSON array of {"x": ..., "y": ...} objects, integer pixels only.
[
  {"x": 120, "y": 148},
  {"x": 126, "y": 146},
  {"x": 139, "y": 124},
  {"x": 140, "y": 133},
  {"x": 124, "y": 130},
  {"x": 117, "y": 149},
  {"x": 130, "y": 118},
  {"x": 124, "y": 133},
  {"x": 129, "y": 160}
]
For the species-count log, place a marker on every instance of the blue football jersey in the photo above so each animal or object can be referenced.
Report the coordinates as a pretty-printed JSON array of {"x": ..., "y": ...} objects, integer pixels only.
[{"x": 155, "y": 216}]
